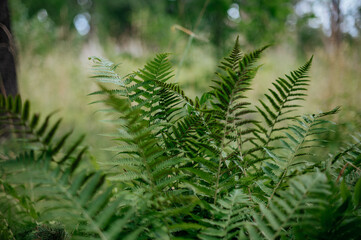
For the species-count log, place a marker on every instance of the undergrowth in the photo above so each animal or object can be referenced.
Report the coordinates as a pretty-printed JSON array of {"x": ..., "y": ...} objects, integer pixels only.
[{"x": 214, "y": 167}]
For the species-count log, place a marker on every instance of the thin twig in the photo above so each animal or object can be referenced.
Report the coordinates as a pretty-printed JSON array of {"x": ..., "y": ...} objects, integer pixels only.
[
  {"x": 189, "y": 32},
  {"x": 344, "y": 168},
  {"x": 341, "y": 172}
]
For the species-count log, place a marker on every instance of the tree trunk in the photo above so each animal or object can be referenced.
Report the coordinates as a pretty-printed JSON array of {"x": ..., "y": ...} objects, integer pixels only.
[
  {"x": 8, "y": 83},
  {"x": 336, "y": 19}
]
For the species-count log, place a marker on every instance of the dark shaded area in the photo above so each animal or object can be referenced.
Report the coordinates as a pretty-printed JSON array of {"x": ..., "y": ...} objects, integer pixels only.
[{"x": 7, "y": 53}]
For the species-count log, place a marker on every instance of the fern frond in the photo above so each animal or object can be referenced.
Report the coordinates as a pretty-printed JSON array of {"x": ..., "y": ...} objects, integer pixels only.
[
  {"x": 298, "y": 146},
  {"x": 137, "y": 142},
  {"x": 231, "y": 113},
  {"x": 104, "y": 71},
  {"x": 81, "y": 198},
  {"x": 339, "y": 218},
  {"x": 281, "y": 102},
  {"x": 229, "y": 213},
  {"x": 16, "y": 211},
  {"x": 346, "y": 164},
  {"x": 40, "y": 134},
  {"x": 187, "y": 135},
  {"x": 145, "y": 89},
  {"x": 306, "y": 193}
]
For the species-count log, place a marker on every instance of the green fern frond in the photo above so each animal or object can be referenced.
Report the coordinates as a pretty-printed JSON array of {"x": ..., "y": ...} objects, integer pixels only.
[
  {"x": 175, "y": 89},
  {"x": 302, "y": 138},
  {"x": 187, "y": 135},
  {"x": 146, "y": 89},
  {"x": 157, "y": 70},
  {"x": 229, "y": 108},
  {"x": 281, "y": 102},
  {"x": 307, "y": 192},
  {"x": 338, "y": 219},
  {"x": 346, "y": 164},
  {"x": 229, "y": 213},
  {"x": 16, "y": 211},
  {"x": 231, "y": 62},
  {"x": 28, "y": 127},
  {"x": 82, "y": 199},
  {"x": 232, "y": 114},
  {"x": 104, "y": 71},
  {"x": 149, "y": 163}
]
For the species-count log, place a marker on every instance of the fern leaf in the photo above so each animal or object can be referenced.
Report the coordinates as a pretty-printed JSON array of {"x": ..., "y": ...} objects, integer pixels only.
[
  {"x": 228, "y": 212},
  {"x": 296, "y": 147},
  {"x": 229, "y": 90},
  {"x": 305, "y": 193},
  {"x": 282, "y": 101}
]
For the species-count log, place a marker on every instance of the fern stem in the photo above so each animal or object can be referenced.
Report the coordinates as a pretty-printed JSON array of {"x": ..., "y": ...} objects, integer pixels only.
[
  {"x": 239, "y": 145},
  {"x": 221, "y": 158},
  {"x": 148, "y": 170}
]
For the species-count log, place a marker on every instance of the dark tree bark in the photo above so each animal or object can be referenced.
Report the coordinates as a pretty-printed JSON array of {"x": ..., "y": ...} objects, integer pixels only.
[{"x": 8, "y": 81}]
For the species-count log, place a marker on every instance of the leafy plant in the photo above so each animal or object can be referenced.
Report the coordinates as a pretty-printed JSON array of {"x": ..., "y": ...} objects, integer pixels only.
[{"x": 214, "y": 167}]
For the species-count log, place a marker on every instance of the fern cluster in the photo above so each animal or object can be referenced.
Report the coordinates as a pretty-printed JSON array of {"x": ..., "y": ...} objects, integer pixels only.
[{"x": 214, "y": 167}]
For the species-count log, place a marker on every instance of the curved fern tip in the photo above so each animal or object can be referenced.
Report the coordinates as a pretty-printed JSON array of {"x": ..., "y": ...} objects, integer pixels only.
[
  {"x": 331, "y": 112},
  {"x": 94, "y": 59},
  {"x": 237, "y": 41},
  {"x": 267, "y": 46}
]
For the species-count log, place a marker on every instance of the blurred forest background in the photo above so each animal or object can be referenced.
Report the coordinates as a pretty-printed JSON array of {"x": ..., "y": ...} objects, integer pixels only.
[{"x": 54, "y": 39}]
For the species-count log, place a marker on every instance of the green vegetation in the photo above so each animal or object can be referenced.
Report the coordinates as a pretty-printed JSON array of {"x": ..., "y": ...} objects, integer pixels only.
[
  {"x": 215, "y": 166},
  {"x": 127, "y": 32}
]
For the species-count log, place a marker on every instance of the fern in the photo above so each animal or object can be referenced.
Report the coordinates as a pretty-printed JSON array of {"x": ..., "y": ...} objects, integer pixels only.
[
  {"x": 54, "y": 180},
  {"x": 232, "y": 61},
  {"x": 282, "y": 101},
  {"x": 228, "y": 216},
  {"x": 214, "y": 167},
  {"x": 84, "y": 202},
  {"x": 225, "y": 120},
  {"x": 307, "y": 192},
  {"x": 146, "y": 165},
  {"x": 338, "y": 219},
  {"x": 31, "y": 128},
  {"x": 300, "y": 141},
  {"x": 16, "y": 210},
  {"x": 346, "y": 163},
  {"x": 138, "y": 153}
]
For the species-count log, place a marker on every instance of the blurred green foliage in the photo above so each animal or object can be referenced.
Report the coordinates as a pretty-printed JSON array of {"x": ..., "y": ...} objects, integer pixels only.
[
  {"x": 264, "y": 20},
  {"x": 61, "y": 12},
  {"x": 259, "y": 21}
]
